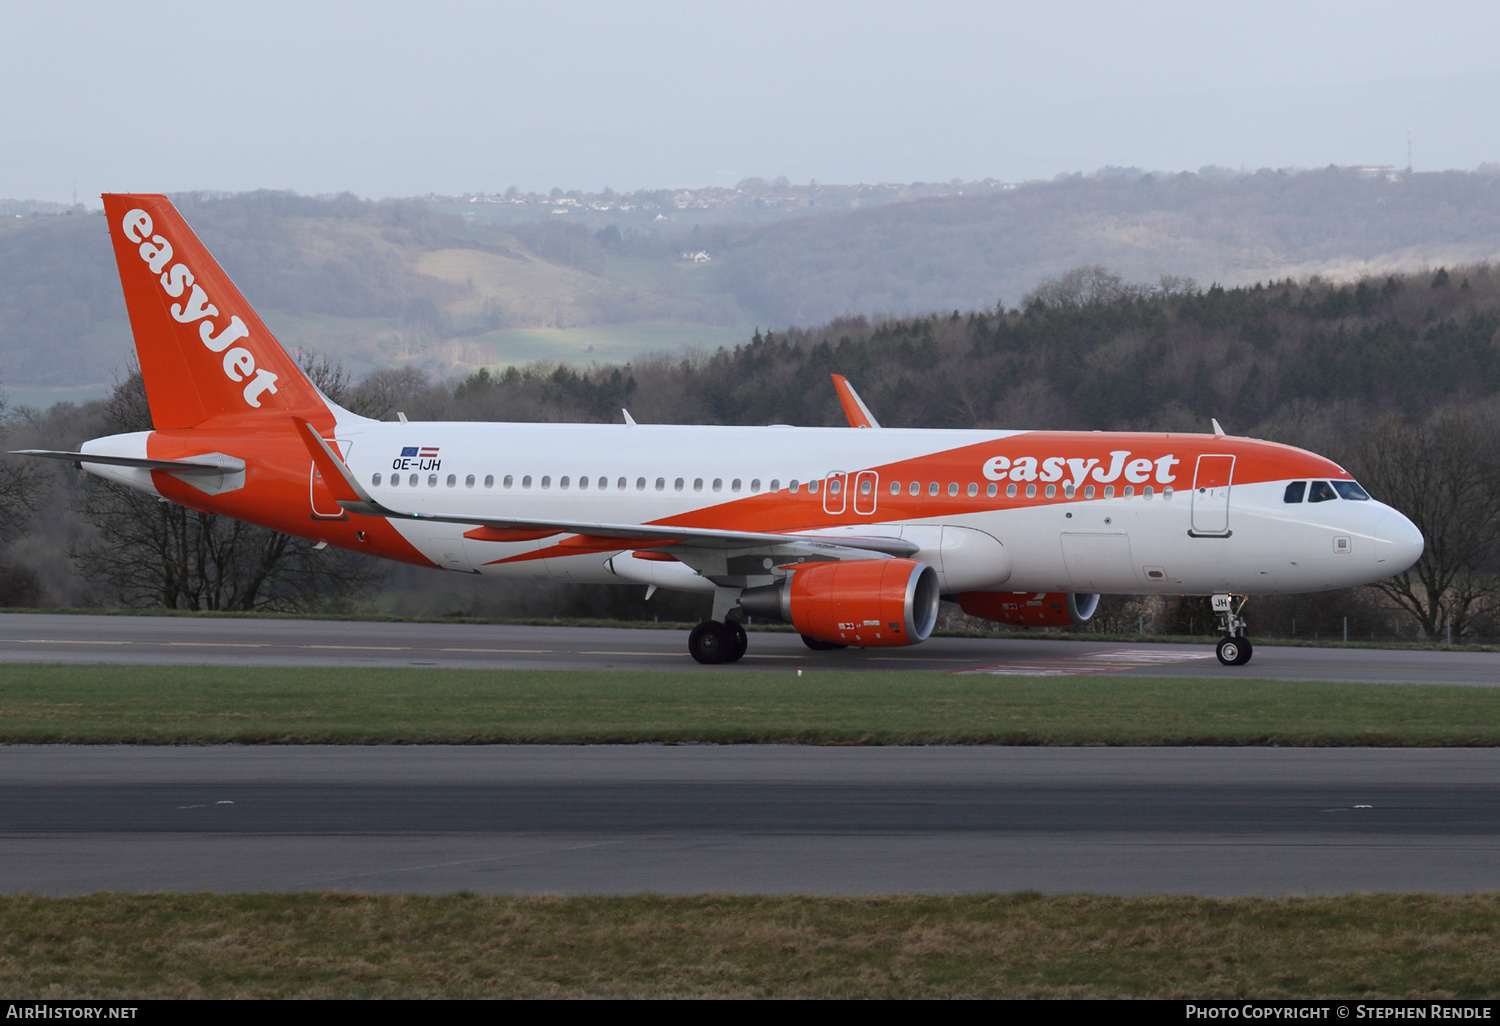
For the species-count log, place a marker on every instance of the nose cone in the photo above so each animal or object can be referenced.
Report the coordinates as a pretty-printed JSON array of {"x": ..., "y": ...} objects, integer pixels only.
[{"x": 1398, "y": 544}]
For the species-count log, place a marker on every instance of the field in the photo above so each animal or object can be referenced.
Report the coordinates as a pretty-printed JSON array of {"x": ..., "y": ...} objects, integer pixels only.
[
  {"x": 990, "y": 946},
  {"x": 103, "y": 704}
]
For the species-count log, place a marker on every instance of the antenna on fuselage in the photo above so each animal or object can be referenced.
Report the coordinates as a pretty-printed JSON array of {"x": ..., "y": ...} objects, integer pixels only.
[
  {"x": 629, "y": 420},
  {"x": 1218, "y": 431}
]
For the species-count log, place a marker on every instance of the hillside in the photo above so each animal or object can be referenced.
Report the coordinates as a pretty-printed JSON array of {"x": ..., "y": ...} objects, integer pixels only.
[{"x": 401, "y": 283}]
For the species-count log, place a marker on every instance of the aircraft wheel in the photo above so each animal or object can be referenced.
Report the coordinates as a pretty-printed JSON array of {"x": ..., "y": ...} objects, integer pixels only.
[
  {"x": 1246, "y": 650},
  {"x": 711, "y": 642},
  {"x": 740, "y": 641},
  {"x": 819, "y": 645},
  {"x": 1233, "y": 651}
]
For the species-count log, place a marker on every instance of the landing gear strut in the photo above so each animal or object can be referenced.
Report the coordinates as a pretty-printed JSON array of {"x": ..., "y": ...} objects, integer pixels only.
[
  {"x": 717, "y": 641},
  {"x": 1234, "y": 648}
]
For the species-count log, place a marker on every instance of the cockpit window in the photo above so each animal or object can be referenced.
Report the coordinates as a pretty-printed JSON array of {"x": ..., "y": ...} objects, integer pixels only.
[
  {"x": 1351, "y": 490},
  {"x": 1295, "y": 491},
  {"x": 1321, "y": 491}
]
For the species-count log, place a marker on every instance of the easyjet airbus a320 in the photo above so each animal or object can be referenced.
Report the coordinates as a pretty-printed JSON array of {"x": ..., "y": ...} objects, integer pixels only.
[{"x": 849, "y": 534}]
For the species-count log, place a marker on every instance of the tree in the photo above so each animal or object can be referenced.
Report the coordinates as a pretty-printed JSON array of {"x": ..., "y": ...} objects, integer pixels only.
[
  {"x": 152, "y": 552},
  {"x": 19, "y": 585},
  {"x": 1444, "y": 474}
]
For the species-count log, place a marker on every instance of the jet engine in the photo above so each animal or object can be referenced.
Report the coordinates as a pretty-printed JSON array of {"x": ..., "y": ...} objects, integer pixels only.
[
  {"x": 1027, "y": 609},
  {"x": 871, "y": 603}
]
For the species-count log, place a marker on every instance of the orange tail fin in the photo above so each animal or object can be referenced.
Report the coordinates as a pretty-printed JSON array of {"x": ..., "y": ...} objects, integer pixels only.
[{"x": 203, "y": 351}]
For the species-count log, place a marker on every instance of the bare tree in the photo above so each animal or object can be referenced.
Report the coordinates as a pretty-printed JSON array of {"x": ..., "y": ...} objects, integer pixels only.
[
  {"x": 1445, "y": 475},
  {"x": 152, "y": 552},
  {"x": 19, "y": 585}
]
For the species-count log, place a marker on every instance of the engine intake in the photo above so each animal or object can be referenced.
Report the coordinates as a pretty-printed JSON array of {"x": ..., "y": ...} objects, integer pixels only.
[
  {"x": 872, "y": 603},
  {"x": 1028, "y": 609}
]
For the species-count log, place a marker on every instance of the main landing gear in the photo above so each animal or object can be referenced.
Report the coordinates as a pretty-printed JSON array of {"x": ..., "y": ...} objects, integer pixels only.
[
  {"x": 718, "y": 641},
  {"x": 1234, "y": 648}
]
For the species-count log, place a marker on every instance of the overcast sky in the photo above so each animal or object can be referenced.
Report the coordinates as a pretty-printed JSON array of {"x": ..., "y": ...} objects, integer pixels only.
[{"x": 400, "y": 99}]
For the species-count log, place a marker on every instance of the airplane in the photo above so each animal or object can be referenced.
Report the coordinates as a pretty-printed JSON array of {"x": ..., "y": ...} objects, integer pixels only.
[{"x": 851, "y": 535}]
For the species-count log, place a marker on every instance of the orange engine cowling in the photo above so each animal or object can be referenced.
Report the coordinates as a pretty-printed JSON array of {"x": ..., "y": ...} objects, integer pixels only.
[
  {"x": 1028, "y": 609},
  {"x": 871, "y": 603}
]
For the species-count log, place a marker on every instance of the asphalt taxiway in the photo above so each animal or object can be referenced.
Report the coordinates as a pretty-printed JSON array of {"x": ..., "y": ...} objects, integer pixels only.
[
  {"x": 748, "y": 819},
  {"x": 146, "y": 640}
]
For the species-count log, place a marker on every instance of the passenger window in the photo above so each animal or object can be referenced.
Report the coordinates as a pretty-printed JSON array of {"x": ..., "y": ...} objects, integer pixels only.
[
  {"x": 431, "y": 480},
  {"x": 1129, "y": 492},
  {"x": 561, "y": 484},
  {"x": 1350, "y": 490},
  {"x": 991, "y": 490},
  {"x": 698, "y": 484},
  {"x": 895, "y": 487},
  {"x": 1295, "y": 491},
  {"x": 546, "y": 481},
  {"x": 1031, "y": 491},
  {"x": 734, "y": 485},
  {"x": 932, "y": 489},
  {"x": 453, "y": 480},
  {"x": 718, "y": 484},
  {"x": 677, "y": 485},
  {"x": 775, "y": 485},
  {"x": 375, "y": 480},
  {"x": 1010, "y": 491},
  {"x": 973, "y": 489},
  {"x": 661, "y": 483},
  {"x": 640, "y": 484},
  {"x": 866, "y": 487},
  {"x": 812, "y": 488},
  {"x": 412, "y": 480},
  {"x": 1109, "y": 491},
  {"x": 1067, "y": 491},
  {"x": 1051, "y": 491},
  {"x": 583, "y": 482},
  {"x": 755, "y": 485},
  {"x": 834, "y": 487},
  {"x": 526, "y": 481},
  {"x": 1321, "y": 491},
  {"x": 1146, "y": 492},
  {"x": 469, "y": 481},
  {"x": 792, "y": 486},
  {"x": 916, "y": 488}
]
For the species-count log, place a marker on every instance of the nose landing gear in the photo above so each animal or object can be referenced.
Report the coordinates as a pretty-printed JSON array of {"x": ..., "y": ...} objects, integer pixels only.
[{"x": 1234, "y": 648}]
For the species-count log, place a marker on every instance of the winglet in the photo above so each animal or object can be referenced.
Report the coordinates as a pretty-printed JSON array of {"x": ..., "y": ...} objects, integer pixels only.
[{"x": 854, "y": 407}]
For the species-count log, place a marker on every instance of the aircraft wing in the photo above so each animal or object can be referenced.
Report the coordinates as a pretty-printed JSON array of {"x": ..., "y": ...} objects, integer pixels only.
[{"x": 351, "y": 495}]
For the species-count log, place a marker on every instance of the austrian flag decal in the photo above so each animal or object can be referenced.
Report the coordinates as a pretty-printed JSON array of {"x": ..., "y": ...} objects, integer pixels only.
[{"x": 417, "y": 458}]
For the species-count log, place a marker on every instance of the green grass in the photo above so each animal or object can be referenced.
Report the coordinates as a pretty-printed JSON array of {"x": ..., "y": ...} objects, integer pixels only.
[
  {"x": 1020, "y": 946},
  {"x": 106, "y": 704}
]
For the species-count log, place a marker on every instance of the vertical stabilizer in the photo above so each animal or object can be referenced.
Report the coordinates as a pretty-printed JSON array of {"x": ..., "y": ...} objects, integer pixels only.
[{"x": 203, "y": 351}]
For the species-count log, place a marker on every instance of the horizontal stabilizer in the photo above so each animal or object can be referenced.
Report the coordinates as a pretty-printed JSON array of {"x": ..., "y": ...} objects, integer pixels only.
[{"x": 214, "y": 463}]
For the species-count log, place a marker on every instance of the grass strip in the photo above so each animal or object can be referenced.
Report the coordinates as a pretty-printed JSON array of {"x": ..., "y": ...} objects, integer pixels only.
[
  {"x": 110, "y": 704},
  {"x": 326, "y": 945}
]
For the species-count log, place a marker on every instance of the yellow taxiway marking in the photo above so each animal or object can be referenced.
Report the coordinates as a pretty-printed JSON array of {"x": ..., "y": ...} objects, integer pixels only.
[
  {"x": 49, "y": 641},
  {"x": 501, "y": 651}
]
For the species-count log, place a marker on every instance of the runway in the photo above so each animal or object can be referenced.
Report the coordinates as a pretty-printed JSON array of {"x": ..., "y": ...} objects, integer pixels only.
[
  {"x": 263, "y": 642},
  {"x": 750, "y": 819}
]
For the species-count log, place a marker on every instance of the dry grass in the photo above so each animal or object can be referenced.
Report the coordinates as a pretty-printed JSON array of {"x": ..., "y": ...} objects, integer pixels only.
[{"x": 1025, "y": 945}]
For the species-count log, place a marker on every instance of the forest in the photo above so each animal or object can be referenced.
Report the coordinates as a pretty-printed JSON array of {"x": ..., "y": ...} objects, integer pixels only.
[{"x": 1396, "y": 377}]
